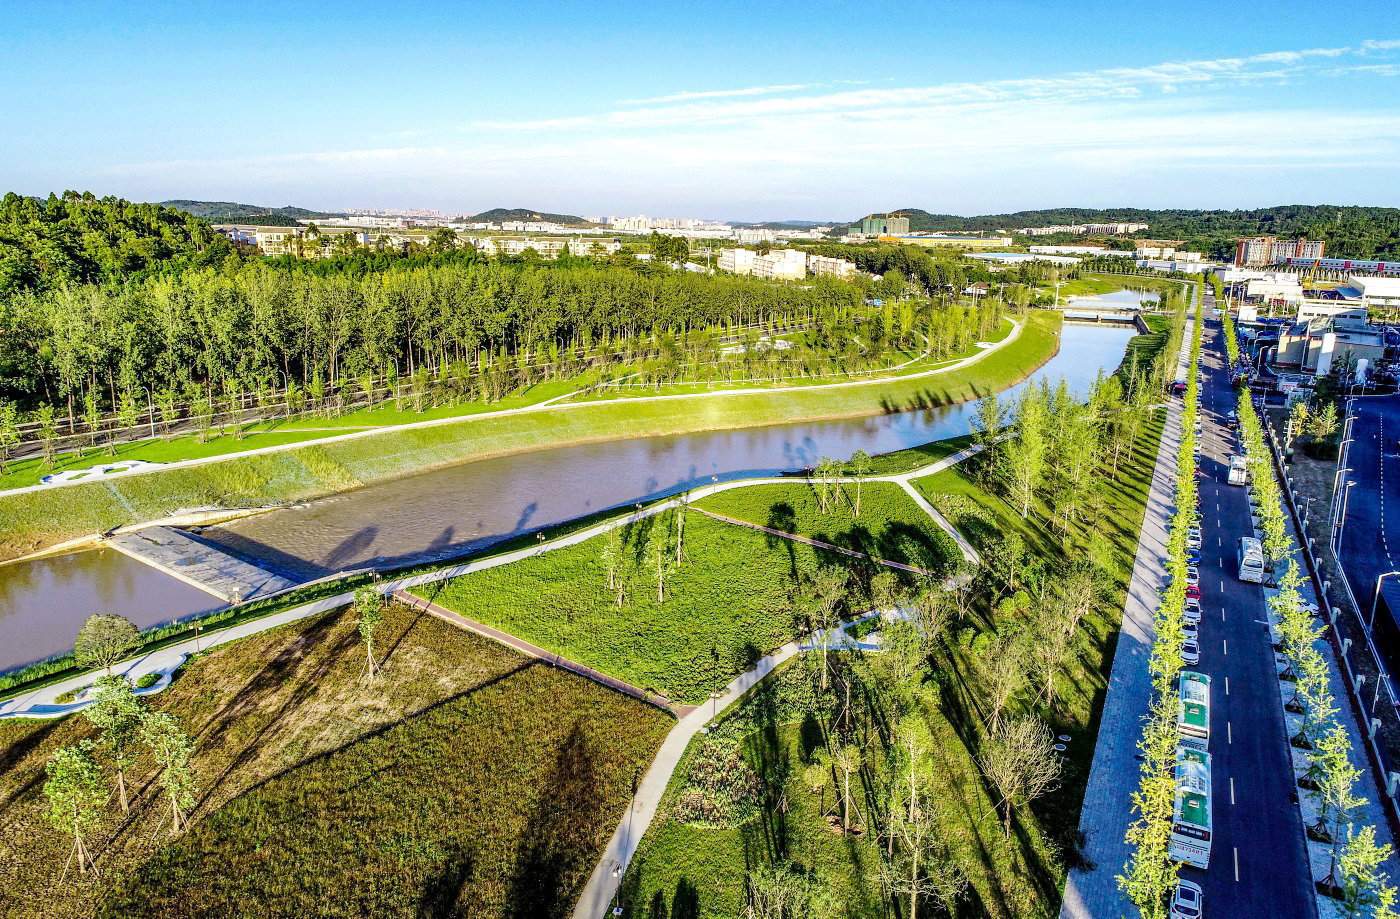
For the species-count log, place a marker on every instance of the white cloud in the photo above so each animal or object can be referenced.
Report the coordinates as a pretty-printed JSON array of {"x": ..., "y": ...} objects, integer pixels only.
[{"x": 721, "y": 93}]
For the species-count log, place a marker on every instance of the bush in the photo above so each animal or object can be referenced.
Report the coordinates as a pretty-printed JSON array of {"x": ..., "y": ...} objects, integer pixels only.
[{"x": 148, "y": 680}]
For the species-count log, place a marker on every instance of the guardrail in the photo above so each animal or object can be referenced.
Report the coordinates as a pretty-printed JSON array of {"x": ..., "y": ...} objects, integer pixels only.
[{"x": 1370, "y": 717}]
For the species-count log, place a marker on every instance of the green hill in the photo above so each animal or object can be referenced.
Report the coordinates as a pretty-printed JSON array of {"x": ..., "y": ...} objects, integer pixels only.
[
  {"x": 499, "y": 214},
  {"x": 232, "y": 212}
]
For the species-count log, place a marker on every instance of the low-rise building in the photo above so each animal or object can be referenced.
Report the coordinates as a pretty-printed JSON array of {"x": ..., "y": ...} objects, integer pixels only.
[
  {"x": 820, "y": 265},
  {"x": 1313, "y": 346},
  {"x": 781, "y": 265},
  {"x": 1074, "y": 250},
  {"x": 965, "y": 242},
  {"x": 736, "y": 261}
]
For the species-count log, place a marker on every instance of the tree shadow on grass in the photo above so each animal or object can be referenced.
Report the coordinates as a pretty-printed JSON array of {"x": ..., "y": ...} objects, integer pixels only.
[{"x": 557, "y": 847}]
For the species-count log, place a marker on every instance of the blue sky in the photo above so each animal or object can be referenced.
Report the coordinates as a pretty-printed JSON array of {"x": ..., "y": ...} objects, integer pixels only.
[{"x": 742, "y": 111}]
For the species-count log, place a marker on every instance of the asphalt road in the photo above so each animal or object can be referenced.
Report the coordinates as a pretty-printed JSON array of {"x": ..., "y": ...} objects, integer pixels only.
[
  {"x": 1258, "y": 864},
  {"x": 1373, "y": 509}
]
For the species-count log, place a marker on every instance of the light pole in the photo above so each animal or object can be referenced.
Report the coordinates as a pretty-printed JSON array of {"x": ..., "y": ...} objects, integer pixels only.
[
  {"x": 1342, "y": 520},
  {"x": 1376, "y": 599},
  {"x": 1336, "y": 486}
]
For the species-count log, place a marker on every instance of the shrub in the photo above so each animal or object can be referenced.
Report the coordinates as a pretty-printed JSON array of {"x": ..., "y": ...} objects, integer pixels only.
[{"x": 148, "y": 680}]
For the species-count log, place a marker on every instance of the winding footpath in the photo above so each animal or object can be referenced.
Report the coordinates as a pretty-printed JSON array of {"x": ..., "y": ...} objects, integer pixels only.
[{"x": 43, "y": 701}]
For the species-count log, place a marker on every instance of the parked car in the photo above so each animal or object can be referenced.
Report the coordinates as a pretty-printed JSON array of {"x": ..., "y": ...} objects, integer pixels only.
[
  {"x": 1190, "y": 652},
  {"x": 1193, "y": 592},
  {"x": 1188, "y": 901}
]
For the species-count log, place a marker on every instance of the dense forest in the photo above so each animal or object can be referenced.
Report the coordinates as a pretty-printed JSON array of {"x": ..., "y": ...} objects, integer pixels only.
[
  {"x": 81, "y": 238},
  {"x": 1349, "y": 231},
  {"x": 232, "y": 212},
  {"x": 499, "y": 214}
]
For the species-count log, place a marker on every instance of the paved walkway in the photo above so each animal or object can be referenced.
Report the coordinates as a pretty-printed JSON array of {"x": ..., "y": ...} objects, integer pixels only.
[
  {"x": 552, "y": 404},
  {"x": 210, "y": 569},
  {"x": 596, "y": 898},
  {"x": 1115, "y": 772},
  {"x": 42, "y": 702}
]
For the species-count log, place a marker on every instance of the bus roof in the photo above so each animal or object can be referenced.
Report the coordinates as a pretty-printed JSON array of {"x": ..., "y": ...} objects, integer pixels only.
[{"x": 1193, "y": 787}]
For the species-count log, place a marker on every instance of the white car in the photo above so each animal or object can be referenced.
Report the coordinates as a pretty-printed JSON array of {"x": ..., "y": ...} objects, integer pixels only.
[
  {"x": 1193, "y": 542},
  {"x": 1190, "y": 652},
  {"x": 1188, "y": 902},
  {"x": 1192, "y": 611},
  {"x": 1190, "y": 632}
]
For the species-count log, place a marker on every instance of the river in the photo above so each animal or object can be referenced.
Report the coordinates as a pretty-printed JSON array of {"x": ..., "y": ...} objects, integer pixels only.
[{"x": 456, "y": 509}]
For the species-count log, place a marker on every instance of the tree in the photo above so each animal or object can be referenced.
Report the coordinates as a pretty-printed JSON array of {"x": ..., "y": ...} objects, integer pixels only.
[
  {"x": 369, "y": 613},
  {"x": 172, "y": 750},
  {"x": 92, "y": 415},
  {"x": 116, "y": 712},
  {"x": 1019, "y": 760},
  {"x": 48, "y": 433},
  {"x": 988, "y": 424},
  {"x": 1022, "y": 459},
  {"x": 860, "y": 467},
  {"x": 1323, "y": 423},
  {"x": 847, "y": 760},
  {"x": 103, "y": 640},
  {"x": 1362, "y": 884},
  {"x": 612, "y": 556},
  {"x": 9, "y": 431},
  {"x": 825, "y": 475},
  {"x": 75, "y": 793},
  {"x": 660, "y": 552},
  {"x": 919, "y": 865},
  {"x": 1298, "y": 417},
  {"x": 1004, "y": 672},
  {"x": 824, "y": 593}
]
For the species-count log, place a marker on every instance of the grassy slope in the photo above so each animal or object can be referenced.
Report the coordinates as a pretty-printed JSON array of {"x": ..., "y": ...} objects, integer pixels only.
[
  {"x": 730, "y": 604},
  {"x": 890, "y": 525},
  {"x": 342, "y": 800},
  {"x": 704, "y": 867},
  {"x": 30, "y": 520}
]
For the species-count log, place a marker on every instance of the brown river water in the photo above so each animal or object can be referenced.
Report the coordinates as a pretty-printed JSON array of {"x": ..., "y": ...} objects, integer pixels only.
[{"x": 457, "y": 509}]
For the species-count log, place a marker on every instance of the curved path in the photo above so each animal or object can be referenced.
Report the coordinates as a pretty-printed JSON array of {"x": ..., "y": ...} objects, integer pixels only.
[
  {"x": 553, "y": 404},
  {"x": 43, "y": 701}
]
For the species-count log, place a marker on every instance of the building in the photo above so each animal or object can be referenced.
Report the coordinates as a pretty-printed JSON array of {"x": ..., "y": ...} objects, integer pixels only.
[
  {"x": 781, "y": 265},
  {"x": 1370, "y": 266},
  {"x": 1270, "y": 250},
  {"x": 1175, "y": 265},
  {"x": 1375, "y": 293},
  {"x": 1085, "y": 229},
  {"x": 548, "y": 247},
  {"x": 1074, "y": 250},
  {"x": 736, "y": 261},
  {"x": 1286, "y": 289},
  {"x": 884, "y": 225},
  {"x": 822, "y": 265},
  {"x": 1313, "y": 346},
  {"x": 1166, "y": 252},
  {"x": 753, "y": 235},
  {"x": 965, "y": 242}
]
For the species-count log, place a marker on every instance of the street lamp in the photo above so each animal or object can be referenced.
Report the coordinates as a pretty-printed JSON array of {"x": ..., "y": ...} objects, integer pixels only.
[
  {"x": 1376, "y": 599},
  {"x": 1342, "y": 520},
  {"x": 1336, "y": 485}
]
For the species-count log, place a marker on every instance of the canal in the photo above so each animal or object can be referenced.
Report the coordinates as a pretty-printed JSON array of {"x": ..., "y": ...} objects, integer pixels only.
[{"x": 449, "y": 511}]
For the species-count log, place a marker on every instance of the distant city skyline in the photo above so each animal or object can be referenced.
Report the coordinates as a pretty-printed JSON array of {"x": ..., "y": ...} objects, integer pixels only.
[{"x": 740, "y": 114}]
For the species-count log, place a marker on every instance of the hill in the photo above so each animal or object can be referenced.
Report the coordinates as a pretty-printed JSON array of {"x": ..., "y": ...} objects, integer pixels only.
[
  {"x": 232, "y": 212},
  {"x": 80, "y": 237},
  {"x": 1349, "y": 231},
  {"x": 498, "y": 214}
]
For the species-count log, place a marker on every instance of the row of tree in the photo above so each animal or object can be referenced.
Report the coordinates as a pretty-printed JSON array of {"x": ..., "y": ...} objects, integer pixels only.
[
  {"x": 1330, "y": 777},
  {"x": 1150, "y": 876}
]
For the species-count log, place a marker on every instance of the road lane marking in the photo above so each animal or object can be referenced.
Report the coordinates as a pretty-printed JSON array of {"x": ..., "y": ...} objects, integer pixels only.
[
  {"x": 1237, "y": 864},
  {"x": 1227, "y": 691},
  {"x": 1225, "y": 647},
  {"x": 1232, "y": 791},
  {"x": 1229, "y": 733}
]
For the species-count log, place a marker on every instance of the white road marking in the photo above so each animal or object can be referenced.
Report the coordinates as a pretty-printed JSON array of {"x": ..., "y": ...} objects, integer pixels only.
[
  {"x": 1229, "y": 733},
  {"x": 1227, "y": 691},
  {"x": 1232, "y": 790},
  {"x": 1225, "y": 646},
  {"x": 1237, "y": 865}
]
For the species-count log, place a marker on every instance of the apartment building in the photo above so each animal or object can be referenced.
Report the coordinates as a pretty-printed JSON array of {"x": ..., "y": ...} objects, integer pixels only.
[
  {"x": 1270, "y": 250},
  {"x": 884, "y": 225},
  {"x": 736, "y": 261},
  {"x": 548, "y": 247},
  {"x": 820, "y": 265},
  {"x": 781, "y": 265}
]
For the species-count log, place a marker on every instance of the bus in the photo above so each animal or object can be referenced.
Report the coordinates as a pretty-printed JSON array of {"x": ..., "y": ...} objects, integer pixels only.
[
  {"x": 1251, "y": 558},
  {"x": 1193, "y": 716},
  {"x": 1191, "y": 824}
]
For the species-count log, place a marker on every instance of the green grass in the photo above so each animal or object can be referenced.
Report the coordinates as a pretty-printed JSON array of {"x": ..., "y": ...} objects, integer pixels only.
[
  {"x": 1094, "y": 284},
  {"x": 890, "y": 526},
  {"x": 466, "y": 780},
  {"x": 700, "y": 869},
  {"x": 728, "y": 605},
  {"x": 31, "y": 520}
]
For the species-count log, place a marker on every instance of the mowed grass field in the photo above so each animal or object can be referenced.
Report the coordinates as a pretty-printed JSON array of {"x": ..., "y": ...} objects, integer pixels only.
[
  {"x": 34, "y": 519},
  {"x": 733, "y": 599},
  {"x": 890, "y": 525},
  {"x": 468, "y": 780},
  {"x": 699, "y": 870}
]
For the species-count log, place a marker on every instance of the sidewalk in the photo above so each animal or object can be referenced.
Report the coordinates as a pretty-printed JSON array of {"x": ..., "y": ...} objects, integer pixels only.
[
  {"x": 1093, "y": 893},
  {"x": 42, "y": 702}
]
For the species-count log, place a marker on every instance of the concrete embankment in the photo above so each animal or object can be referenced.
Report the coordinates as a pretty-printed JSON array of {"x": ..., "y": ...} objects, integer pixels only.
[{"x": 33, "y": 519}]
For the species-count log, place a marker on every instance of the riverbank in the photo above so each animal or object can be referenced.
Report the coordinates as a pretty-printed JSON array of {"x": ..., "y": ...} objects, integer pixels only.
[{"x": 30, "y": 520}]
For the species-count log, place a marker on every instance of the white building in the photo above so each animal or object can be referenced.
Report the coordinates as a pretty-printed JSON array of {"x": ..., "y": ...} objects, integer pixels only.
[
  {"x": 1378, "y": 293},
  {"x": 548, "y": 247},
  {"x": 1071, "y": 250},
  {"x": 753, "y": 235},
  {"x": 736, "y": 261},
  {"x": 781, "y": 265},
  {"x": 835, "y": 267}
]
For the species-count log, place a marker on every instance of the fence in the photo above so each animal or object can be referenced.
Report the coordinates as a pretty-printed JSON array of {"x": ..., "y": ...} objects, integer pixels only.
[{"x": 1376, "y": 710}]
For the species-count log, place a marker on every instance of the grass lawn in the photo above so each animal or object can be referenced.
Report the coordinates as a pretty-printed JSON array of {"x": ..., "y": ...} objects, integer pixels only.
[
  {"x": 729, "y": 604},
  {"x": 890, "y": 526},
  {"x": 1093, "y": 284},
  {"x": 698, "y": 869},
  {"x": 30, "y": 520},
  {"x": 467, "y": 779}
]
